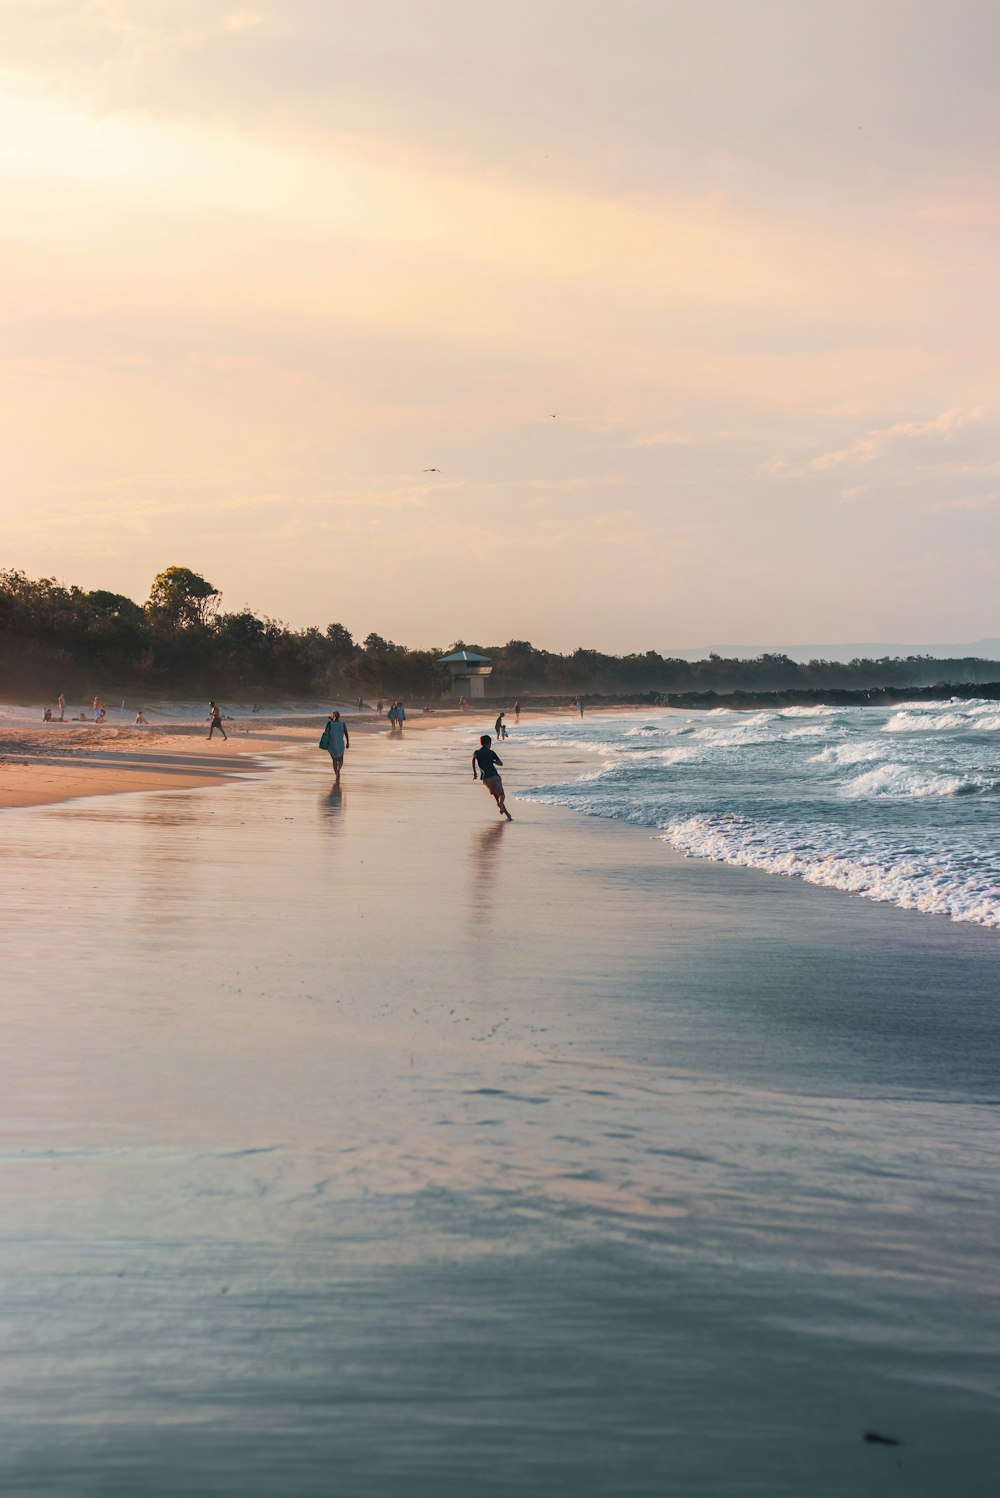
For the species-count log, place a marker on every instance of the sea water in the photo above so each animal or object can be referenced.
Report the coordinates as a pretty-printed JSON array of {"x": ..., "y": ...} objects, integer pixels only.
[
  {"x": 358, "y": 1142},
  {"x": 899, "y": 804}
]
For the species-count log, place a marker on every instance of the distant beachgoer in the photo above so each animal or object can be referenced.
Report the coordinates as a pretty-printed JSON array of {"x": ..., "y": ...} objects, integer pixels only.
[
  {"x": 392, "y": 715},
  {"x": 82, "y": 718},
  {"x": 361, "y": 704},
  {"x": 336, "y": 739},
  {"x": 61, "y": 701},
  {"x": 580, "y": 706},
  {"x": 517, "y": 712},
  {"x": 380, "y": 708},
  {"x": 255, "y": 708},
  {"x": 99, "y": 713},
  {"x": 488, "y": 761},
  {"x": 400, "y": 715},
  {"x": 47, "y": 715},
  {"x": 216, "y": 720},
  {"x": 141, "y": 721}
]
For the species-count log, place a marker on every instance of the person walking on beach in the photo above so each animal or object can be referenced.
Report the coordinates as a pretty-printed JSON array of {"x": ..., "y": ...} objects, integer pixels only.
[
  {"x": 336, "y": 739},
  {"x": 216, "y": 721},
  {"x": 487, "y": 762},
  {"x": 400, "y": 715},
  {"x": 61, "y": 703},
  {"x": 500, "y": 727},
  {"x": 517, "y": 712},
  {"x": 392, "y": 717},
  {"x": 580, "y": 706}
]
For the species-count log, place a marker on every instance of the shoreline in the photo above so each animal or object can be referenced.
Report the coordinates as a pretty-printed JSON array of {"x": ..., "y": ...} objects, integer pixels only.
[{"x": 42, "y": 764}]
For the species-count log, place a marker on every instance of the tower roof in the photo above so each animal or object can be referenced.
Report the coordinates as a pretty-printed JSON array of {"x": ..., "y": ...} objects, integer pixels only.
[{"x": 464, "y": 657}]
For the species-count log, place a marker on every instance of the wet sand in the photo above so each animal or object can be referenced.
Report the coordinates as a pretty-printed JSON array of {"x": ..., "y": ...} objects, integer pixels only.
[{"x": 360, "y": 1142}]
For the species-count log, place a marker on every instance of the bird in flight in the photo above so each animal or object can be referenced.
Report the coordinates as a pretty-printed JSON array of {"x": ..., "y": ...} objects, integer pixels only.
[
  {"x": 430, "y": 470},
  {"x": 553, "y": 415}
]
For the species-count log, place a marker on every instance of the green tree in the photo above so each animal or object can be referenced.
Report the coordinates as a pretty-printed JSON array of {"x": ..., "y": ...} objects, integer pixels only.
[
  {"x": 180, "y": 599},
  {"x": 340, "y": 640}
]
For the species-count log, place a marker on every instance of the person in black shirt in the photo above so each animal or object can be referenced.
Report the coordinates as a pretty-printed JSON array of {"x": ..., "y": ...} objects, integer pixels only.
[{"x": 487, "y": 761}]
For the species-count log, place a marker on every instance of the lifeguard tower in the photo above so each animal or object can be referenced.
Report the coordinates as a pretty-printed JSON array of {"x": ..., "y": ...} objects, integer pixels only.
[{"x": 468, "y": 673}]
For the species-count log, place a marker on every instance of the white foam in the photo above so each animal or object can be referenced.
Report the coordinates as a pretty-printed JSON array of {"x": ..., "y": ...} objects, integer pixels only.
[
  {"x": 851, "y": 753},
  {"x": 906, "y": 780},
  {"x": 676, "y": 756},
  {"x": 925, "y": 722},
  {"x": 942, "y": 717},
  {"x": 744, "y": 728},
  {"x": 913, "y": 882}
]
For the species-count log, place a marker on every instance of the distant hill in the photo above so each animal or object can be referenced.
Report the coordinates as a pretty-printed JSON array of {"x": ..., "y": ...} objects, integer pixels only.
[{"x": 866, "y": 650}]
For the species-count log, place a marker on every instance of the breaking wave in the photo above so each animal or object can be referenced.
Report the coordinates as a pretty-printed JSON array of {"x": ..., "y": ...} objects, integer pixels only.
[{"x": 819, "y": 794}]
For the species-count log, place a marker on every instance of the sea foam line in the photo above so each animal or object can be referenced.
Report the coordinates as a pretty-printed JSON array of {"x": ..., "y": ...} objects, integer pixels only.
[{"x": 911, "y": 883}]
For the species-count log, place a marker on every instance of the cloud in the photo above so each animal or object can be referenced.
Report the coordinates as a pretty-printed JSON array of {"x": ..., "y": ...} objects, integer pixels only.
[
  {"x": 663, "y": 439},
  {"x": 238, "y": 21},
  {"x": 875, "y": 444},
  {"x": 964, "y": 503}
]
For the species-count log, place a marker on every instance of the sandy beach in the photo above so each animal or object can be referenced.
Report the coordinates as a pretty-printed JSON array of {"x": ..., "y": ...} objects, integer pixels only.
[
  {"x": 43, "y": 763},
  {"x": 357, "y": 1141}
]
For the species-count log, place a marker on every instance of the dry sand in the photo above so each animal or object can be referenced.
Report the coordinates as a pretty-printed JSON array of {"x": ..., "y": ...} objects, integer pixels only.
[{"x": 60, "y": 761}]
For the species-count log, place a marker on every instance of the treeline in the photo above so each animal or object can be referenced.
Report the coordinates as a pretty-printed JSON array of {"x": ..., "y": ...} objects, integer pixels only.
[{"x": 180, "y": 640}]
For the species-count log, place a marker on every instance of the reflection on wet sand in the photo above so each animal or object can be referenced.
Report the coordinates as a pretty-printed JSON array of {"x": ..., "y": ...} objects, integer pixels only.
[
  {"x": 484, "y": 855},
  {"x": 332, "y": 804}
]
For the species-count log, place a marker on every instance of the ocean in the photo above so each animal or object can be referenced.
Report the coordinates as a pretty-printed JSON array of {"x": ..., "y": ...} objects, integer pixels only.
[{"x": 898, "y": 804}]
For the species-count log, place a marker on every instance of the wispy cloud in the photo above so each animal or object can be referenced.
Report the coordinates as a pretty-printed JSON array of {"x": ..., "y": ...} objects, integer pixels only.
[
  {"x": 662, "y": 439},
  {"x": 875, "y": 444}
]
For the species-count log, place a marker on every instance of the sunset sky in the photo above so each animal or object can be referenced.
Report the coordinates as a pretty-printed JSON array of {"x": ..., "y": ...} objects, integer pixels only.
[{"x": 263, "y": 266}]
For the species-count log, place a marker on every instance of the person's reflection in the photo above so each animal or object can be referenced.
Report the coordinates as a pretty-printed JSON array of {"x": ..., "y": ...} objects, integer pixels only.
[
  {"x": 332, "y": 804},
  {"x": 484, "y": 860}
]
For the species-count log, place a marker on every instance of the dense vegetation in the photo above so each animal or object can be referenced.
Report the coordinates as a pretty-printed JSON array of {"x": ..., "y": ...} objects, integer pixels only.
[{"x": 180, "y": 641}]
